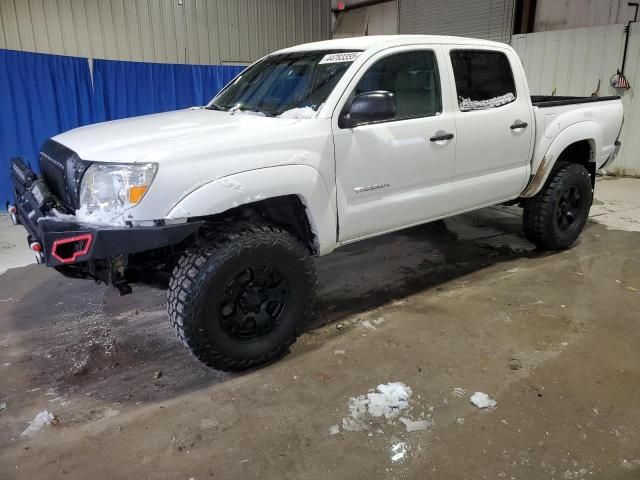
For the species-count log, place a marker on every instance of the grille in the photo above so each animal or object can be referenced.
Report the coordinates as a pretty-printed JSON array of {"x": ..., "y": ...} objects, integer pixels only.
[{"x": 62, "y": 170}]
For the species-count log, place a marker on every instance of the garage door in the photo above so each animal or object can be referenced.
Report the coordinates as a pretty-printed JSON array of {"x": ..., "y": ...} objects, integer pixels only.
[{"x": 488, "y": 19}]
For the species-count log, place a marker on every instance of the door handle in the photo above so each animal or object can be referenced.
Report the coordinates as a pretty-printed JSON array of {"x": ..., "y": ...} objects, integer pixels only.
[
  {"x": 518, "y": 124},
  {"x": 441, "y": 136}
]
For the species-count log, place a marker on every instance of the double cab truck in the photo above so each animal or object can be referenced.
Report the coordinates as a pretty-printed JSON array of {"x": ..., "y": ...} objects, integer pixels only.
[{"x": 310, "y": 148}]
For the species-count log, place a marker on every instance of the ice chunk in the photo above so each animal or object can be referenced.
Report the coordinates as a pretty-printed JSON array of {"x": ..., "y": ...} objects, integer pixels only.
[
  {"x": 467, "y": 104},
  {"x": 41, "y": 420},
  {"x": 386, "y": 401},
  {"x": 416, "y": 425},
  {"x": 482, "y": 400},
  {"x": 304, "y": 113}
]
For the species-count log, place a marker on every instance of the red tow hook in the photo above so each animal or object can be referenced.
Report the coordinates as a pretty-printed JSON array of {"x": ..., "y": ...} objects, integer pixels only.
[{"x": 67, "y": 250}]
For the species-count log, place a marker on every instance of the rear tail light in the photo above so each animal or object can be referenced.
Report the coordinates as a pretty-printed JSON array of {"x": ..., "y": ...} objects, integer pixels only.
[
  {"x": 67, "y": 250},
  {"x": 35, "y": 246}
]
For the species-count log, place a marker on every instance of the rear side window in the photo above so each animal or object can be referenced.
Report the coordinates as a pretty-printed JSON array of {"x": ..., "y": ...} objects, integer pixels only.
[
  {"x": 483, "y": 79},
  {"x": 412, "y": 77}
]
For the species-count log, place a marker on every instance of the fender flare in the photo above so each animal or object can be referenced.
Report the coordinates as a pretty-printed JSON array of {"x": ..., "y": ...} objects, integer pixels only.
[
  {"x": 578, "y": 132},
  {"x": 253, "y": 186}
]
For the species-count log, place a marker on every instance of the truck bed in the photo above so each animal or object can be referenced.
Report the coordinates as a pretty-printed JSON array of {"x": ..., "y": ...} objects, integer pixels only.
[{"x": 542, "y": 101}]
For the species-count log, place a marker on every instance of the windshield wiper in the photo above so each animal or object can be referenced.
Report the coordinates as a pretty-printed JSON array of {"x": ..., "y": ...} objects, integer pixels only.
[{"x": 216, "y": 107}]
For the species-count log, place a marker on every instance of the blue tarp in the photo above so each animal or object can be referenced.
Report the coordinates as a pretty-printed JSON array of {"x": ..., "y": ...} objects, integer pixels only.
[
  {"x": 40, "y": 96},
  {"x": 43, "y": 95},
  {"x": 126, "y": 89}
]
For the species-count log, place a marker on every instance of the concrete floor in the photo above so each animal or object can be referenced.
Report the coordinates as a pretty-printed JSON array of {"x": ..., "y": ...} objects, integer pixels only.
[{"x": 448, "y": 308}]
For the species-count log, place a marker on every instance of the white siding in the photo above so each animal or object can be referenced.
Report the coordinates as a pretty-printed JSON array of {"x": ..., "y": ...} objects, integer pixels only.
[
  {"x": 573, "y": 61},
  {"x": 488, "y": 19},
  {"x": 196, "y": 32}
]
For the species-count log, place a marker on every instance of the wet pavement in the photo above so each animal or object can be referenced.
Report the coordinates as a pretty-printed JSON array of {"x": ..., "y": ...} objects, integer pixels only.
[{"x": 449, "y": 308}]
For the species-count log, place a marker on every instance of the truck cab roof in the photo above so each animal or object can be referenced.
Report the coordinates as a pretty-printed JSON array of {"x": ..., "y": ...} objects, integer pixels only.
[{"x": 379, "y": 42}]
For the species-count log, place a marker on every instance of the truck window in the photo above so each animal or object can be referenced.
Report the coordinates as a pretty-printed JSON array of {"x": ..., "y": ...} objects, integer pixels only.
[
  {"x": 412, "y": 77},
  {"x": 286, "y": 81},
  {"x": 483, "y": 79}
]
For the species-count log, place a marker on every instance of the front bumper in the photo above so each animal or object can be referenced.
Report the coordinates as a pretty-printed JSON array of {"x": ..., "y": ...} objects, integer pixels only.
[{"x": 65, "y": 242}]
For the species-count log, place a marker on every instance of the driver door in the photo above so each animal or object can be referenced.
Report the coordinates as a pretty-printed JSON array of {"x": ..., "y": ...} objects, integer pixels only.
[{"x": 398, "y": 172}]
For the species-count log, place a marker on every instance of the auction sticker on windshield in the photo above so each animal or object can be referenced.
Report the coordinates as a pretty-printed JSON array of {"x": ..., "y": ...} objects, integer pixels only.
[{"x": 340, "y": 57}]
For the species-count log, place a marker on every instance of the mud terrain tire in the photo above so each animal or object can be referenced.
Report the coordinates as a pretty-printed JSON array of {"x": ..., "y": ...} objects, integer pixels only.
[
  {"x": 240, "y": 301},
  {"x": 554, "y": 218}
]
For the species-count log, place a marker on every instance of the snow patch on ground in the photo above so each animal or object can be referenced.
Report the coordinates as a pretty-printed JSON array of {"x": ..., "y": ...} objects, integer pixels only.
[
  {"x": 482, "y": 400},
  {"x": 304, "y": 113},
  {"x": 467, "y": 104},
  {"x": 41, "y": 420},
  {"x": 386, "y": 401}
]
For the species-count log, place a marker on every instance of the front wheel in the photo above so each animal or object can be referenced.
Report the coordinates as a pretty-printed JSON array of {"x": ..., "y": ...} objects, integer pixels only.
[
  {"x": 240, "y": 301},
  {"x": 555, "y": 216}
]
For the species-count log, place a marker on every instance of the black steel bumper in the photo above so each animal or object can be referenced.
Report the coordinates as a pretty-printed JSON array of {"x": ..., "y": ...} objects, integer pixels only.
[{"x": 64, "y": 242}]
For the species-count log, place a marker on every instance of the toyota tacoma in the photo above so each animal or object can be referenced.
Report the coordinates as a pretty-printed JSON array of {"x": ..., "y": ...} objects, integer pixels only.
[{"x": 310, "y": 148}]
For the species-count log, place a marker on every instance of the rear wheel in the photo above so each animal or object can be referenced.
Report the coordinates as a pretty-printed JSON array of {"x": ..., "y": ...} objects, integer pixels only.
[
  {"x": 240, "y": 301},
  {"x": 555, "y": 217}
]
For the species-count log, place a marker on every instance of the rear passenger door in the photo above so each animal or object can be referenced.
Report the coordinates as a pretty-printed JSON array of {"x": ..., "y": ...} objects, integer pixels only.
[{"x": 494, "y": 125}]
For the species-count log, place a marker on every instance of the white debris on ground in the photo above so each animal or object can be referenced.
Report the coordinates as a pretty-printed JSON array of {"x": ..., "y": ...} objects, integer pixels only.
[
  {"x": 416, "y": 425},
  {"x": 334, "y": 429},
  {"x": 371, "y": 324},
  {"x": 41, "y": 420},
  {"x": 398, "y": 451},
  {"x": 368, "y": 324},
  {"x": 467, "y": 104},
  {"x": 482, "y": 400},
  {"x": 387, "y": 401},
  {"x": 304, "y": 113}
]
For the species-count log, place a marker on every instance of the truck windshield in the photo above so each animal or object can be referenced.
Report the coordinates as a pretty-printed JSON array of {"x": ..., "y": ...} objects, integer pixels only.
[{"x": 285, "y": 82}]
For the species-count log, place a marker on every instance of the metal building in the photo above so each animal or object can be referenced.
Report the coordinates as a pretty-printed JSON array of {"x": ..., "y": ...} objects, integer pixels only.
[
  {"x": 171, "y": 31},
  {"x": 490, "y": 19}
]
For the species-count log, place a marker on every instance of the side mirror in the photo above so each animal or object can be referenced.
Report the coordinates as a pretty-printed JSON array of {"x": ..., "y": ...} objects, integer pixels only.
[{"x": 370, "y": 107}]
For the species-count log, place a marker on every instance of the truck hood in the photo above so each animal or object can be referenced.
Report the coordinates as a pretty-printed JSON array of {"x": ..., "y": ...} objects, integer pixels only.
[{"x": 152, "y": 137}]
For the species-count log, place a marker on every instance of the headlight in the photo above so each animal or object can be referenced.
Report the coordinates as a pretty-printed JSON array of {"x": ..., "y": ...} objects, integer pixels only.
[{"x": 112, "y": 188}]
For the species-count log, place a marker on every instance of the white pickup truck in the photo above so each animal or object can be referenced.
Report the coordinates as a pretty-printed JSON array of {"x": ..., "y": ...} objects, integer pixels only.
[{"x": 308, "y": 149}]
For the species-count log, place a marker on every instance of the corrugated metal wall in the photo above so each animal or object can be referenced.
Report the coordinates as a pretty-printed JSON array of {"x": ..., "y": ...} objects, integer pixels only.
[
  {"x": 555, "y": 15},
  {"x": 172, "y": 31},
  {"x": 571, "y": 62},
  {"x": 489, "y": 19}
]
